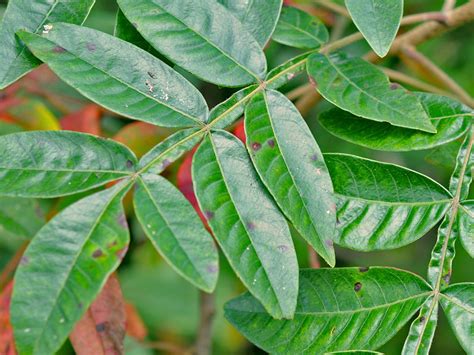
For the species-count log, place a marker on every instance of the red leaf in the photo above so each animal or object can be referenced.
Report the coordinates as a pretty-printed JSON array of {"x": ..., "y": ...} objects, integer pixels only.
[
  {"x": 85, "y": 120},
  {"x": 239, "y": 131},
  {"x": 101, "y": 331},
  {"x": 7, "y": 343},
  {"x": 135, "y": 326}
]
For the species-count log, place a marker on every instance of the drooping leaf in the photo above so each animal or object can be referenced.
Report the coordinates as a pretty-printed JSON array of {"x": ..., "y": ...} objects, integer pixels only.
[
  {"x": 20, "y": 218},
  {"x": 466, "y": 226},
  {"x": 57, "y": 281},
  {"x": 249, "y": 228},
  {"x": 462, "y": 175},
  {"x": 118, "y": 75},
  {"x": 383, "y": 206},
  {"x": 378, "y": 20},
  {"x": 292, "y": 167},
  {"x": 458, "y": 304},
  {"x": 86, "y": 120},
  {"x": 338, "y": 309},
  {"x": 362, "y": 89},
  {"x": 50, "y": 164},
  {"x": 32, "y": 16},
  {"x": 232, "y": 109},
  {"x": 101, "y": 331},
  {"x": 286, "y": 72},
  {"x": 170, "y": 150},
  {"x": 422, "y": 329},
  {"x": 211, "y": 43},
  {"x": 7, "y": 342},
  {"x": 297, "y": 28},
  {"x": 258, "y": 17},
  {"x": 175, "y": 230},
  {"x": 450, "y": 118}
]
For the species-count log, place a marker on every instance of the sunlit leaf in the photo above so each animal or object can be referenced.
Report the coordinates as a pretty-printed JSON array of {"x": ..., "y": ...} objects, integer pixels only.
[
  {"x": 466, "y": 226},
  {"x": 338, "y": 309},
  {"x": 247, "y": 224}
]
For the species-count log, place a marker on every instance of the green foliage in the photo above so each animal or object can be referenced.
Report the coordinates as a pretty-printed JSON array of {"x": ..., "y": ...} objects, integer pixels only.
[{"x": 250, "y": 196}]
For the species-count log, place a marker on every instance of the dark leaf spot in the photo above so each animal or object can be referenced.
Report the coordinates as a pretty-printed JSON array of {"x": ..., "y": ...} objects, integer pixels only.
[
  {"x": 394, "y": 86},
  {"x": 329, "y": 242},
  {"x": 101, "y": 327},
  {"x": 422, "y": 319},
  {"x": 24, "y": 260},
  {"x": 357, "y": 286},
  {"x": 271, "y": 143},
  {"x": 97, "y": 254},
  {"x": 129, "y": 164},
  {"x": 447, "y": 277},
  {"x": 59, "y": 49},
  {"x": 165, "y": 163},
  {"x": 363, "y": 269},
  {"x": 314, "y": 157},
  {"x": 209, "y": 215},
  {"x": 250, "y": 226},
  {"x": 283, "y": 248},
  {"x": 256, "y": 146},
  {"x": 91, "y": 46},
  {"x": 111, "y": 245},
  {"x": 212, "y": 269},
  {"x": 122, "y": 221},
  {"x": 153, "y": 76}
]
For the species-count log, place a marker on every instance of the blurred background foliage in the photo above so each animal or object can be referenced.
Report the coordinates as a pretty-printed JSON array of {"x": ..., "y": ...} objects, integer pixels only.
[{"x": 162, "y": 307}]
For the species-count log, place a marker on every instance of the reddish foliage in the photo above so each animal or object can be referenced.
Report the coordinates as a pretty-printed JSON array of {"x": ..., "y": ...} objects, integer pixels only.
[
  {"x": 7, "y": 344},
  {"x": 239, "y": 131},
  {"x": 135, "y": 326},
  {"x": 86, "y": 120}
]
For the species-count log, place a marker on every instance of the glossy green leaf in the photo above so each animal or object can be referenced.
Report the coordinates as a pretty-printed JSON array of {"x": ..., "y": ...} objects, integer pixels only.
[
  {"x": 119, "y": 75},
  {"x": 466, "y": 226},
  {"x": 422, "y": 329},
  {"x": 57, "y": 281},
  {"x": 20, "y": 218},
  {"x": 55, "y": 163},
  {"x": 297, "y": 28},
  {"x": 378, "y": 20},
  {"x": 462, "y": 175},
  {"x": 292, "y": 167},
  {"x": 200, "y": 36},
  {"x": 247, "y": 224},
  {"x": 338, "y": 309},
  {"x": 287, "y": 71},
  {"x": 176, "y": 231},
  {"x": 258, "y": 17},
  {"x": 362, "y": 89},
  {"x": 383, "y": 206},
  {"x": 32, "y": 16},
  {"x": 170, "y": 150},
  {"x": 354, "y": 352},
  {"x": 458, "y": 304},
  {"x": 450, "y": 118}
]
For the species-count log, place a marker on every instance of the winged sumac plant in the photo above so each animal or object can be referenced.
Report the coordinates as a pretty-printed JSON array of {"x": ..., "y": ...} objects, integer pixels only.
[{"x": 248, "y": 193}]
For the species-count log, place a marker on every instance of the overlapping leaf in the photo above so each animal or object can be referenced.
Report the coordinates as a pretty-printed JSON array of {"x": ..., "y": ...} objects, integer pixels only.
[
  {"x": 458, "y": 304},
  {"x": 292, "y": 167},
  {"x": 450, "y": 118},
  {"x": 378, "y": 20},
  {"x": 57, "y": 281},
  {"x": 201, "y": 36},
  {"x": 338, "y": 309},
  {"x": 247, "y": 224},
  {"x": 176, "y": 231},
  {"x": 284, "y": 73},
  {"x": 258, "y": 17},
  {"x": 383, "y": 206},
  {"x": 299, "y": 29},
  {"x": 50, "y": 164},
  {"x": 466, "y": 226},
  {"x": 20, "y": 218},
  {"x": 29, "y": 15},
  {"x": 119, "y": 75},
  {"x": 360, "y": 88}
]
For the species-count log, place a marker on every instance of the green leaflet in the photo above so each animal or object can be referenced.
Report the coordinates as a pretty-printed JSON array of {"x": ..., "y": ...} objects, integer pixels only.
[
  {"x": 462, "y": 175},
  {"x": 170, "y": 150},
  {"x": 55, "y": 163},
  {"x": 20, "y": 218},
  {"x": 292, "y": 167},
  {"x": 383, "y": 206},
  {"x": 258, "y": 17},
  {"x": 29, "y": 15},
  {"x": 8, "y": 128},
  {"x": 458, "y": 304},
  {"x": 378, "y": 20},
  {"x": 466, "y": 226},
  {"x": 338, "y": 309},
  {"x": 450, "y": 118},
  {"x": 360, "y": 88},
  {"x": 119, "y": 75},
  {"x": 247, "y": 224},
  {"x": 354, "y": 352},
  {"x": 56, "y": 282},
  {"x": 284, "y": 73},
  {"x": 422, "y": 329},
  {"x": 212, "y": 44},
  {"x": 297, "y": 28},
  {"x": 176, "y": 231}
]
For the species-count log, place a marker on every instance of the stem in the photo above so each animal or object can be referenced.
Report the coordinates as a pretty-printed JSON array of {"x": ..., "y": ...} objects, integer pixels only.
[
  {"x": 328, "y": 4},
  {"x": 425, "y": 16},
  {"x": 207, "y": 310},
  {"x": 313, "y": 258},
  {"x": 449, "y": 5},
  {"x": 341, "y": 43}
]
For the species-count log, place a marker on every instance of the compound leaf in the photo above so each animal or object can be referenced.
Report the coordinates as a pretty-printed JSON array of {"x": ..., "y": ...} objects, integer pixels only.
[
  {"x": 383, "y": 206},
  {"x": 55, "y": 163},
  {"x": 32, "y": 16},
  {"x": 362, "y": 89},
  {"x": 175, "y": 229},
  {"x": 338, "y": 309},
  {"x": 119, "y": 75},
  {"x": 297, "y": 28},
  {"x": 247, "y": 224},
  {"x": 65, "y": 267},
  {"x": 378, "y": 20},
  {"x": 200, "y": 36},
  {"x": 450, "y": 118},
  {"x": 466, "y": 226},
  {"x": 292, "y": 167}
]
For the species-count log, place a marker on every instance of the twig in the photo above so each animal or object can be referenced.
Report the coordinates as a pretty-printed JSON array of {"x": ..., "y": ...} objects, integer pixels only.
[
  {"x": 341, "y": 10},
  {"x": 207, "y": 310},
  {"x": 300, "y": 91},
  {"x": 449, "y": 5},
  {"x": 12, "y": 265},
  {"x": 425, "y": 16},
  {"x": 313, "y": 258},
  {"x": 330, "y": 47}
]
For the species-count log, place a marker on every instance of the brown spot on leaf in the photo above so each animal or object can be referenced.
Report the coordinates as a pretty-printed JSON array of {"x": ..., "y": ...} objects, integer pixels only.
[
  {"x": 314, "y": 157},
  {"x": 250, "y": 226},
  {"x": 101, "y": 327},
  {"x": 97, "y": 253},
  {"x": 111, "y": 245},
  {"x": 363, "y": 269},
  {"x": 329, "y": 242},
  {"x": 212, "y": 269},
  {"x": 129, "y": 164},
  {"x": 394, "y": 86},
  {"x": 91, "y": 46},
  {"x": 271, "y": 143},
  {"x": 357, "y": 286},
  {"x": 256, "y": 146},
  {"x": 447, "y": 277},
  {"x": 59, "y": 49},
  {"x": 209, "y": 215}
]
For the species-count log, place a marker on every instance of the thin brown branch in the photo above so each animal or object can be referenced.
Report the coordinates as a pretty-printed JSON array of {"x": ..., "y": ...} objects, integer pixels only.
[
  {"x": 207, "y": 311},
  {"x": 345, "y": 41},
  {"x": 449, "y": 5},
  {"x": 425, "y": 16},
  {"x": 338, "y": 9},
  {"x": 300, "y": 91},
  {"x": 313, "y": 258}
]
